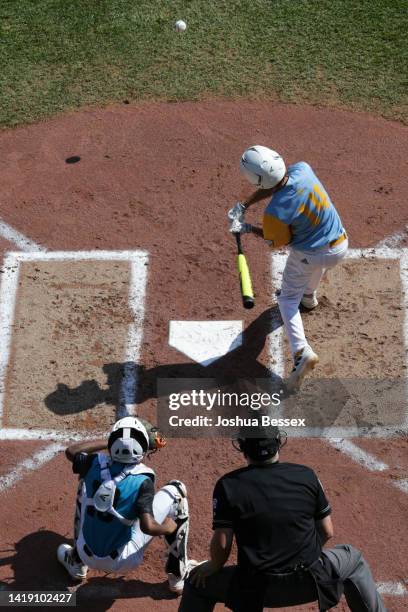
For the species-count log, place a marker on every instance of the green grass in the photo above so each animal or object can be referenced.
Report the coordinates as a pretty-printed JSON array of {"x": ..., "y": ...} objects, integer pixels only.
[{"x": 63, "y": 54}]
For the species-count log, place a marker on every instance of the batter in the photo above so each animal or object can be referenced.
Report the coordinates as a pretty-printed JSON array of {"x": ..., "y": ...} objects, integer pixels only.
[{"x": 300, "y": 214}]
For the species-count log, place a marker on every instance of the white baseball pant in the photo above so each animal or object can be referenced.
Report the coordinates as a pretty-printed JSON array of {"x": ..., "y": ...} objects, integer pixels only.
[
  {"x": 131, "y": 554},
  {"x": 302, "y": 275}
]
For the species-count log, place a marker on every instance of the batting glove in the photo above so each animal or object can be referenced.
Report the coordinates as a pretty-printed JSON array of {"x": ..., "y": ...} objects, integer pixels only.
[
  {"x": 238, "y": 227},
  {"x": 236, "y": 212}
]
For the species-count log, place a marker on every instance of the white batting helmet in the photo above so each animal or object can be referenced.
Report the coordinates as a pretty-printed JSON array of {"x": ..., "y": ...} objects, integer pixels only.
[
  {"x": 262, "y": 167},
  {"x": 128, "y": 441}
]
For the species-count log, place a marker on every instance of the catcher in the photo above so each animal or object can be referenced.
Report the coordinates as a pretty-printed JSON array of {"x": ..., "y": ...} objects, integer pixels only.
[
  {"x": 117, "y": 511},
  {"x": 301, "y": 215}
]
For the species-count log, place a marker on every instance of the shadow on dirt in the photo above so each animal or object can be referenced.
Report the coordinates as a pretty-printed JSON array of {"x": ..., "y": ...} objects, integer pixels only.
[
  {"x": 101, "y": 593},
  {"x": 241, "y": 364},
  {"x": 33, "y": 563},
  {"x": 88, "y": 394},
  {"x": 34, "y": 566}
]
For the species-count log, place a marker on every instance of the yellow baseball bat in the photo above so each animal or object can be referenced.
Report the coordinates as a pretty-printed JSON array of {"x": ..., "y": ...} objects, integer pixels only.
[{"x": 247, "y": 292}]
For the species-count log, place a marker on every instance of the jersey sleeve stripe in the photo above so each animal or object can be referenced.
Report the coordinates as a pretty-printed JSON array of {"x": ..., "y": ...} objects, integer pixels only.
[{"x": 323, "y": 513}]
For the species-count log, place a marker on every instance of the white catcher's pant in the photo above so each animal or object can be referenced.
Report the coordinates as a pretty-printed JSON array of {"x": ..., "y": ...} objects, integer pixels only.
[
  {"x": 302, "y": 274},
  {"x": 131, "y": 554}
]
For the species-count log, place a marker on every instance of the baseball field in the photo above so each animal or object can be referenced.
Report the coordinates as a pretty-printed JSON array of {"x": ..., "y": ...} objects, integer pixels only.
[{"x": 119, "y": 157}]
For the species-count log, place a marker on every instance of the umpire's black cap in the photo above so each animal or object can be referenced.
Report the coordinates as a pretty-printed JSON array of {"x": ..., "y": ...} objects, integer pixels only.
[{"x": 259, "y": 442}]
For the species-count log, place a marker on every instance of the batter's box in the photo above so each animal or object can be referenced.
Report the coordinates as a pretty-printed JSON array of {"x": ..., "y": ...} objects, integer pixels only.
[
  {"x": 70, "y": 334},
  {"x": 360, "y": 332}
]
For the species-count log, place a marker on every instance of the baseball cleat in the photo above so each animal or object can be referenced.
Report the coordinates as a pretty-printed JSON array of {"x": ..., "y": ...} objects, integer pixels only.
[
  {"x": 305, "y": 361},
  {"x": 176, "y": 583},
  {"x": 310, "y": 301},
  {"x": 67, "y": 556}
]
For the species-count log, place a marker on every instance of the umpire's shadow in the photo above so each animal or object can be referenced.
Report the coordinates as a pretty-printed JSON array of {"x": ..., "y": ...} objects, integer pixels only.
[{"x": 232, "y": 370}]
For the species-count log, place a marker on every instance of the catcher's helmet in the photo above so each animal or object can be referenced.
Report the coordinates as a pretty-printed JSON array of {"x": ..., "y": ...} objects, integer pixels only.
[
  {"x": 262, "y": 167},
  {"x": 128, "y": 441},
  {"x": 259, "y": 443}
]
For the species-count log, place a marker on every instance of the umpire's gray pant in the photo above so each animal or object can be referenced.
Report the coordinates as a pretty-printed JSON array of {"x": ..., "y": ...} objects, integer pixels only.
[{"x": 359, "y": 587}]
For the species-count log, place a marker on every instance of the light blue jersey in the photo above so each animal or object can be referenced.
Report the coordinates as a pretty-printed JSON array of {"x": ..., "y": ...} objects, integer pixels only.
[
  {"x": 103, "y": 532},
  {"x": 304, "y": 204}
]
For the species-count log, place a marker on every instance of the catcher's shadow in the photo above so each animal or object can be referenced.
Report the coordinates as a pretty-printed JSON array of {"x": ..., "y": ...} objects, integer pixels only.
[
  {"x": 66, "y": 400},
  {"x": 103, "y": 592},
  {"x": 48, "y": 575},
  {"x": 232, "y": 370},
  {"x": 45, "y": 574}
]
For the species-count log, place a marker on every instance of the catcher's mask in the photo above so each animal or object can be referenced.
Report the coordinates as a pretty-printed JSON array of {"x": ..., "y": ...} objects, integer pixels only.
[
  {"x": 128, "y": 441},
  {"x": 259, "y": 443}
]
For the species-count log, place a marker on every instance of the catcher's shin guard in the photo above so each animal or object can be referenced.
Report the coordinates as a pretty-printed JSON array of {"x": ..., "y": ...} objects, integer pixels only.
[
  {"x": 177, "y": 561},
  {"x": 78, "y": 507}
]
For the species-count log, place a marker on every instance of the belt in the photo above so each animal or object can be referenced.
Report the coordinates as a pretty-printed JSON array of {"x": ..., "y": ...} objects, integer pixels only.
[
  {"x": 287, "y": 571},
  {"x": 338, "y": 240}
]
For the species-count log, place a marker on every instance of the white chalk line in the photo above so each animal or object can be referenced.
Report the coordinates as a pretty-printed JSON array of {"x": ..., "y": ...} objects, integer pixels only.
[
  {"x": 367, "y": 461},
  {"x": 358, "y": 454},
  {"x": 96, "y": 255},
  {"x": 393, "y": 589},
  {"x": 137, "y": 292},
  {"x": 29, "y": 465},
  {"x": 10, "y": 433},
  {"x": 404, "y": 303},
  {"x": 8, "y": 292},
  {"x": 22, "y": 242},
  {"x": 276, "y": 356},
  {"x": 395, "y": 240},
  {"x": 401, "y": 484}
]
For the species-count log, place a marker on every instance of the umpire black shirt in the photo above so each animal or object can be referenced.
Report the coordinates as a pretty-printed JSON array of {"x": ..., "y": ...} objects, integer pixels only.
[{"x": 272, "y": 509}]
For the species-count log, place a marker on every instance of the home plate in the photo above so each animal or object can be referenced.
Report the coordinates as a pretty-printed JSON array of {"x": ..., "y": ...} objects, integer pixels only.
[{"x": 205, "y": 341}]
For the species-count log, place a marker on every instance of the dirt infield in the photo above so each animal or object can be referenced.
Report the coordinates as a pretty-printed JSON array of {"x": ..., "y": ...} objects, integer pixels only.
[{"x": 160, "y": 178}]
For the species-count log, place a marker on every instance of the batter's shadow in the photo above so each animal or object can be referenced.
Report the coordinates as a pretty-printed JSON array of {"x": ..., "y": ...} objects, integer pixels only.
[{"x": 235, "y": 370}]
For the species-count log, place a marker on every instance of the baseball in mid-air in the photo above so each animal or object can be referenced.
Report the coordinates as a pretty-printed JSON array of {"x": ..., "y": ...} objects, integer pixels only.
[{"x": 180, "y": 25}]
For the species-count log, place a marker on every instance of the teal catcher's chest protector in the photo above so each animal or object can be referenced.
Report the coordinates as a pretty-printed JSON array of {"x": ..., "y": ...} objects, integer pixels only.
[{"x": 104, "y": 498}]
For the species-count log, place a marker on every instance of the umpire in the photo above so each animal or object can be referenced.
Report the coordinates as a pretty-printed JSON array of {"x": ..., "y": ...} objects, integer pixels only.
[{"x": 280, "y": 517}]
